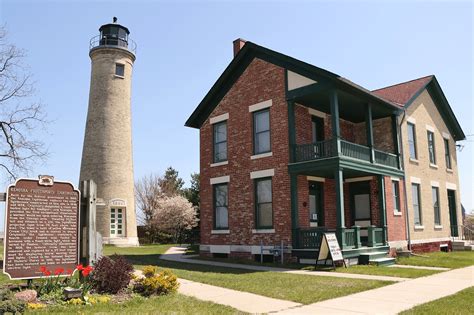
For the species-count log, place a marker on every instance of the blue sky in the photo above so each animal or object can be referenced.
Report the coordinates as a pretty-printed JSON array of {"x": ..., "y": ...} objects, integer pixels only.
[{"x": 183, "y": 46}]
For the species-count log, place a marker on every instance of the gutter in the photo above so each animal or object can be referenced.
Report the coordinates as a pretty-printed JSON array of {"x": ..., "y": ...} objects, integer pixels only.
[{"x": 407, "y": 217}]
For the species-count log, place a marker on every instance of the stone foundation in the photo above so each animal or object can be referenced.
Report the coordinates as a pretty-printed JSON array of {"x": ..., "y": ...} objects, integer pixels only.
[{"x": 430, "y": 247}]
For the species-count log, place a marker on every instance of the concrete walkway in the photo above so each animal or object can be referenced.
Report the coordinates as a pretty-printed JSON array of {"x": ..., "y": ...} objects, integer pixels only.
[
  {"x": 420, "y": 267},
  {"x": 394, "y": 298},
  {"x": 176, "y": 254}
]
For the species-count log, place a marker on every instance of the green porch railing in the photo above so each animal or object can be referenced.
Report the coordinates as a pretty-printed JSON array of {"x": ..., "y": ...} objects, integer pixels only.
[
  {"x": 386, "y": 158},
  {"x": 349, "y": 239},
  {"x": 376, "y": 236},
  {"x": 355, "y": 151},
  {"x": 315, "y": 151},
  {"x": 309, "y": 238}
]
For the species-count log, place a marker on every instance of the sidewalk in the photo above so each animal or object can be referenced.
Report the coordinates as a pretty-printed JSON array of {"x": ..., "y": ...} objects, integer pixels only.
[
  {"x": 176, "y": 254},
  {"x": 394, "y": 298}
]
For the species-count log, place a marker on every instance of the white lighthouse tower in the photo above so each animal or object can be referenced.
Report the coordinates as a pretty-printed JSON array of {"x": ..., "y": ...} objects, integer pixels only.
[{"x": 107, "y": 152}]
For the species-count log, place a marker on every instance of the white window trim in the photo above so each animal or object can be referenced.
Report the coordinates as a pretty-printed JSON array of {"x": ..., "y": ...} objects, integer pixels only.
[
  {"x": 220, "y": 180},
  {"x": 263, "y": 231},
  {"x": 438, "y": 227},
  {"x": 262, "y": 173},
  {"x": 316, "y": 113},
  {"x": 262, "y": 155},
  {"x": 419, "y": 227},
  {"x": 359, "y": 179},
  {"x": 316, "y": 179},
  {"x": 220, "y": 231},
  {"x": 415, "y": 180},
  {"x": 446, "y": 135},
  {"x": 434, "y": 184},
  {"x": 397, "y": 213},
  {"x": 414, "y": 160},
  {"x": 259, "y": 106},
  {"x": 219, "y": 118},
  {"x": 433, "y": 166},
  {"x": 451, "y": 186},
  {"x": 430, "y": 128},
  {"x": 411, "y": 120},
  {"x": 219, "y": 163},
  {"x": 397, "y": 179}
]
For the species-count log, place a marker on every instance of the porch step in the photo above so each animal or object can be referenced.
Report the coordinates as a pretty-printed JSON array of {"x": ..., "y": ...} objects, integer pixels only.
[
  {"x": 460, "y": 245},
  {"x": 386, "y": 261},
  {"x": 366, "y": 258}
]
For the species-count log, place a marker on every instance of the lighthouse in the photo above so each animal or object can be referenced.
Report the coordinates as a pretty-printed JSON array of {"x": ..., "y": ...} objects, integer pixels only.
[{"x": 107, "y": 150}]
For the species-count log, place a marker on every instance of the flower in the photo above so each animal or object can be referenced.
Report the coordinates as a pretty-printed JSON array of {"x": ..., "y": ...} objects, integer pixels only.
[
  {"x": 69, "y": 271},
  {"x": 80, "y": 267},
  {"x": 86, "y": 271},
  {"x": 47, "y": 273},
  {"x": 58, "y": 271},
  {"x": 43, "y": 269}
]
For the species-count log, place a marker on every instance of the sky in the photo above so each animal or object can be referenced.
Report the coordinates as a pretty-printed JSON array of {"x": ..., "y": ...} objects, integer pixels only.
[{"x": 183, "y": 46}]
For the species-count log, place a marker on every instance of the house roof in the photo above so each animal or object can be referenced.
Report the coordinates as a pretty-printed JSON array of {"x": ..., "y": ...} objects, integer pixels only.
[
  {"x": 251, "y": 51},
  {"x": 401, "y": 93},
  {"x": 404, "y": 94},
  {"x": 395, "y": 97}
]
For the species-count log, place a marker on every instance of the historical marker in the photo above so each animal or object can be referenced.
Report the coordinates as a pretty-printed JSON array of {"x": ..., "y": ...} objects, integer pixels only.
[{"x": 42, "y": 227}]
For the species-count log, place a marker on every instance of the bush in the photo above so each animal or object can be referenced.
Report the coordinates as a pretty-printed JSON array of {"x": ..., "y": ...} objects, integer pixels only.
[
  {"x": 9, "y": 304},
  {"x": 153, "y": 283},
  {"x": 111, "y": 274}
]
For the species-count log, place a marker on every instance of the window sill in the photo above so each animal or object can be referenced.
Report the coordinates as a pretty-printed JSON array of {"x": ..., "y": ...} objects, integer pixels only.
[
  {"x": 419, "y": 227},
  {"x": 449, "y": 170},
  {"x": 263, "y": 231},
  {"x": 412, "y": 160},
  {"x": 119, "y": 76},
  {"x": 219, "y": 163},
  {"x": 220, "y": 231},
  {"x": 313, "y": 224},
  {"x": 433, "y": 166},
  {"x": 261, "y": 155},
  {"x": 397, "y": 213},
  {"x": 438, "y": 227}
]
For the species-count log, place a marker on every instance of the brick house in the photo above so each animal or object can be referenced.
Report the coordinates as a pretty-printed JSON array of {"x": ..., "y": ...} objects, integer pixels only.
[{"x": 289, "y": 151}]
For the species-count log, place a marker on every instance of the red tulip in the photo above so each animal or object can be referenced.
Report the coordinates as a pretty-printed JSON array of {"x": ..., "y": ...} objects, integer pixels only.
[
  {"x": 58, "y": 271},
  {"x": 80, "y": 267}
]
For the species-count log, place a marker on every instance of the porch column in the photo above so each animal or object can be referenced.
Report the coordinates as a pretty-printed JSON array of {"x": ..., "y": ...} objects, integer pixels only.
[
  {"x": 340, "y": 225},
  {"x": 370, "y": 131},
  {"x": 382, "y": 205},
  {"x": 292, "y": 130},
  {"x": 294, "y": 209},
  {"x": 396, "y": 139},
  {"x": 336, "y": 131}
]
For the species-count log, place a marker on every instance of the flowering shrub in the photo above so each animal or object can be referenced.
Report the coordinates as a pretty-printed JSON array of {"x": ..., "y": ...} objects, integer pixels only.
[
  {"x": 153, "y": 283},
  {"x": 111, "y": 274},
  {"x": 36, "y": 306}
]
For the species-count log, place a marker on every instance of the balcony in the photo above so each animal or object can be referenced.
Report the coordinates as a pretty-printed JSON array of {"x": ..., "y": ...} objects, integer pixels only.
[{"x": 329, "y": 149}]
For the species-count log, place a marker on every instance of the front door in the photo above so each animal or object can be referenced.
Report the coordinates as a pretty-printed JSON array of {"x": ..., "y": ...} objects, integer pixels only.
[
  {"x": 360, "y": 206},
  {"x": 316, "y": 213},
  {"x": 116, "y": 222},
  {"x": 453, "y": 220}
]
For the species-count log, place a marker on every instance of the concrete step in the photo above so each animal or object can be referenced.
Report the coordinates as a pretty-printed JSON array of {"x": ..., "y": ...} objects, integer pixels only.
[
  {"x": 365, "y": 258},
  {"x": 386, "y": 261}
]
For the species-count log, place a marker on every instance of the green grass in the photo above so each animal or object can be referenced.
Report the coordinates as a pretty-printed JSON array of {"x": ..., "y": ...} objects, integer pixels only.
[
  {"x": 459, "y": 303},
  {"x": 359, "y": 269},
  {"x": 169, "y": 304},
  {"x": 440, "y": 259}
]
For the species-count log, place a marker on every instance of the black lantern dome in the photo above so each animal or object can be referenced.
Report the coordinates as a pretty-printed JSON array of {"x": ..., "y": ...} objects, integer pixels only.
[{"x": 113, "y": 34}]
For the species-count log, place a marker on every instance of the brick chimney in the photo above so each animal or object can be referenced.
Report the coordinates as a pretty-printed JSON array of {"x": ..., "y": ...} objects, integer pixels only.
[{"x": 238, "y": 44}]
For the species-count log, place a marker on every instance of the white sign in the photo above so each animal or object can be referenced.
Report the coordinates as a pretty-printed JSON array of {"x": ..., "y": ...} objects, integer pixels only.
[{"x": 330, "y": 246}]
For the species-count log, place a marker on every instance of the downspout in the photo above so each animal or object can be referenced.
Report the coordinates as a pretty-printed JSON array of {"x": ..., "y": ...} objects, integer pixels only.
[{"x": 407, "y": 217}]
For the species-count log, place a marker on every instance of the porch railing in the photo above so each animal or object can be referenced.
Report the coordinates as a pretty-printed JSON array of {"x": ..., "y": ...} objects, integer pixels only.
[
  {"x": 462, "y": 232},
  {"x": 309, "y": 238},
  {"x": 376, "y": 236},
  {"x": 328, "y": 148},
  {"x": 386, "y": 158}
]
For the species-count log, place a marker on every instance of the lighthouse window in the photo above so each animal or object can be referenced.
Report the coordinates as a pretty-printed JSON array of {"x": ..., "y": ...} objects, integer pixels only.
[{"x": 119, "y": 69}]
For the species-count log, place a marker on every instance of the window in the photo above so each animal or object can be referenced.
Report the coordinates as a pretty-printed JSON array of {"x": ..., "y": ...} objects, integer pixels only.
[
  {"x": 431, "y": 147},
  {"x": 396, "y": 196},
  {"x": 220, "y": 142},
  {"x": 261, "y": 127},
  {"x": 263, "y": 203},
  {"x": 412, "y": 140},
  {"x": 415, "y": 190},
  {"x": 437, "y": 215},
  {"x": 221, "y": 214},
  {"x": 116, "y": 222},
  {"x": 119, "y": 69},
  {"x": 447, "y": 155}
]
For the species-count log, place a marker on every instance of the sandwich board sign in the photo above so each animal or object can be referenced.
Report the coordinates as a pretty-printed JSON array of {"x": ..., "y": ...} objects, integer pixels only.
[{"x": 329, "y": 249}]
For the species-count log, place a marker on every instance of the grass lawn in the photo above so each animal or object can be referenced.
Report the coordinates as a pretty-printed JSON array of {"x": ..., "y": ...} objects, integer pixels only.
[
  {"x": 440, "y": 259},
  {"x": 359, "y": 269},
  {"x": 169, "y": 304},
  {"x": 298, "y": 288},
  {"x": 459, "y": 303}
]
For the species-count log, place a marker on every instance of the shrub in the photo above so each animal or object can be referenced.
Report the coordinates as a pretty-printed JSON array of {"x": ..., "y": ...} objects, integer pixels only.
[
  {"x": 153, "y": 283},
  {"x": 111, "y": 274},
  {"x": 9, "y": 304}
]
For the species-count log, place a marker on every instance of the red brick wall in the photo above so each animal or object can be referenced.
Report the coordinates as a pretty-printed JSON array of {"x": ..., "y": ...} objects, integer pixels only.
[
  {"x": 261, "y": 81},
  {"x": 396, "y": 224},
  {"x": 429, "y": 247}
]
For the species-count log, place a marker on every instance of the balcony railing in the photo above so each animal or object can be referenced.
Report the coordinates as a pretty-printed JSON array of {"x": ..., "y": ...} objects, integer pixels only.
[{"x": 328, "y": 148}]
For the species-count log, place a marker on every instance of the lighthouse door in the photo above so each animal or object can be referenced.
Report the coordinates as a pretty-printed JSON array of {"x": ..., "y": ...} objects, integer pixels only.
[{"x": 116, "y": 222}]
